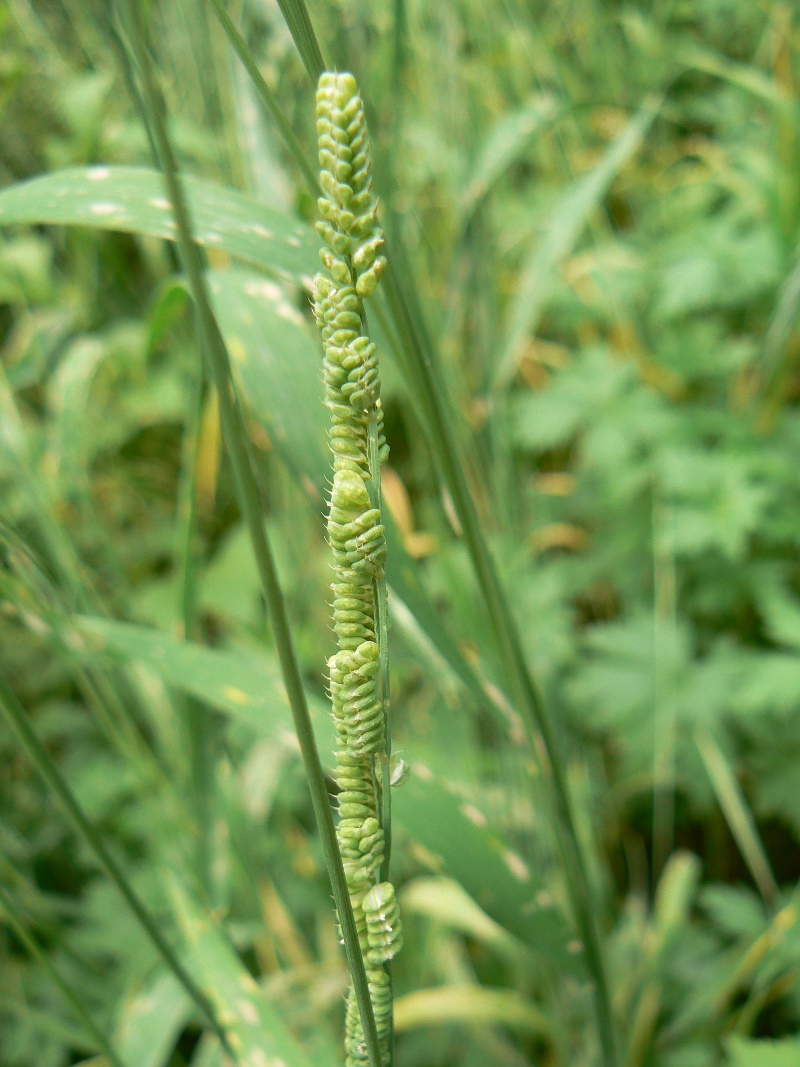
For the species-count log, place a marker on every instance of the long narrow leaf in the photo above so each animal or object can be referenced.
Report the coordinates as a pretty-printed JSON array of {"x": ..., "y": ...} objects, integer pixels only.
[
  {"x": 507, "y": 140},
  {"x": 92, "y": 1029},
  {"x": 132, "y": 200},
  {"x": 254, "y": 1027},
  {"x": 566, "y": 223}
]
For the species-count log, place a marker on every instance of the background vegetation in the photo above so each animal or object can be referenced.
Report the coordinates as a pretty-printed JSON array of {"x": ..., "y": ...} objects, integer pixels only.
[{"x": 600, "y": 207}]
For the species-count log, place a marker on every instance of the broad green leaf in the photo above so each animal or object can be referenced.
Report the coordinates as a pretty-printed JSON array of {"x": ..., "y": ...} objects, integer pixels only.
[
  {"x": 278, "y": 362},
  {"x": 507, "y": 140},
  {"x": 255, "y": 1029},
  {"x": 567, "y": 221},
  {"x": 151, "y": 1023},
  {"x": 132, "y": 199},
  {"x": 470, "y": 1005},
  {"x": 495, "y": 876}
]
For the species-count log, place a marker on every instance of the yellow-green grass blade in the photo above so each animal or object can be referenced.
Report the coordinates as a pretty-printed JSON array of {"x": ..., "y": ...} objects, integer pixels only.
[
  {"x": 738, "y": 816},
  {"x": 470, "y": 1005},
  {"x": 255, "y": 1028},
  {"x": 151, "y": 1022}
]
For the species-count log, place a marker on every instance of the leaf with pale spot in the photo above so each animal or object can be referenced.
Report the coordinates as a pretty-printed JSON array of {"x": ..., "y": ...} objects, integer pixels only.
[{"x": 132, "y": 200}]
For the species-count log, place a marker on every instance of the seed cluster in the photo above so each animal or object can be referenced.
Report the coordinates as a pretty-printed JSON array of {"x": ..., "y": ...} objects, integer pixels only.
[{"x": 353, "y": 268}]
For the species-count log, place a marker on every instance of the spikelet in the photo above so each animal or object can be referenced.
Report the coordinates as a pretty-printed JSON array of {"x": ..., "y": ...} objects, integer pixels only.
[
  {"x": 349, "y": 225},
  {"x": 353, "y": 267},
  {"x": 384, "y": 932}
]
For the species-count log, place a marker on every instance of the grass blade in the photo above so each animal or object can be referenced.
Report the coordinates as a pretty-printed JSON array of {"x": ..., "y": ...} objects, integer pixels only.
[
  {"x": 255, "y": 1027},
  {"x": 508, "y": 890},
  {"x": 528, "y": 701},
  {"x": 565, "y": 226},
  {"x": 470, "y": 1005},
  {"x": 131, "y": 199},
  {"x": 152, "y": 1021},
  {"x": 244, "y": 685},
  {"x": 298, "y": 20},
  {"x": 44, "y": 765},
  {"x": 508, "y": 138},
  {"x": 740, "y": 820},
  {"x": 239, "y": 45}
]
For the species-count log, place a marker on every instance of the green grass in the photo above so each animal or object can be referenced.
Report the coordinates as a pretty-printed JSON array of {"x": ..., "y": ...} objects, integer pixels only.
[{"x": 588, "y": 341}]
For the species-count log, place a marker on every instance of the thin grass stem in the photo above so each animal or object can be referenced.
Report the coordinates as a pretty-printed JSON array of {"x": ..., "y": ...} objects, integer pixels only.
[
  {"x": 525, "y": 694},
  {"x": 266, "y": 95},
  {"x": 38, "y": 756},
  {"x": 34, "y": 950},
  {"x": 297, "y": 18},
  {"x": 198, "y": 721}
]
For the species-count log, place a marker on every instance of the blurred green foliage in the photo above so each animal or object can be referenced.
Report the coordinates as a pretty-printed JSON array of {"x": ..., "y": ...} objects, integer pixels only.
[{"x": 602, "y": 205}]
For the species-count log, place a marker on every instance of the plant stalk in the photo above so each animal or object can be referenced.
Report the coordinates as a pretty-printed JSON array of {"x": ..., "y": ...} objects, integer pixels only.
[
  {"x": 44, "y": 765},
  {"x": 35, "y": 952}
]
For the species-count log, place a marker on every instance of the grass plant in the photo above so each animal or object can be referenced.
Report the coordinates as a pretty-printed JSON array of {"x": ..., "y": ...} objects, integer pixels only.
[{"x": 567, "y": 496}]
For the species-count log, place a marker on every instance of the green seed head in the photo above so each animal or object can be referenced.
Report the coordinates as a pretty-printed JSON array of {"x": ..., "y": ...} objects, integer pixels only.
[{"x": 348, "y": 208}]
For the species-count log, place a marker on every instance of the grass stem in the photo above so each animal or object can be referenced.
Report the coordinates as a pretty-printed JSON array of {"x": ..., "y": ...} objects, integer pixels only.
[
  {"x": 44, "y": 765},
  {"x": 35, "y": 952}
]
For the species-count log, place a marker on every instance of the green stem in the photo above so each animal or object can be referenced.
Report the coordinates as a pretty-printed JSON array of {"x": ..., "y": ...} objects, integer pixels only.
[
  {"x": 44, "y": 765},
  {"x": 237, "y": 444},
  {"x": 267, "y": 97},
  {"x": 33, "y": 949},
  {"x": 198, "y": 720},
  {"x": 295, "y": 14},
  {"x": 382, "y": 619}
]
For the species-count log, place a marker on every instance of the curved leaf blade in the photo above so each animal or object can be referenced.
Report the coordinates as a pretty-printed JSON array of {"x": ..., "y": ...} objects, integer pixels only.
[
  {"x": 133, "y": 200},
  {"x": 507, "y": 140},
  {"x": 255, "y": 1029},
  {"x": 495, "y": 876}
]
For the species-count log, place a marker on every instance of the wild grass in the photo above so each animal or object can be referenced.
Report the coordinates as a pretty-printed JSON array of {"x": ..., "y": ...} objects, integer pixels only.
[{"x": 588, "y": 344}]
